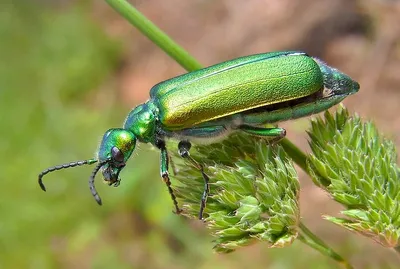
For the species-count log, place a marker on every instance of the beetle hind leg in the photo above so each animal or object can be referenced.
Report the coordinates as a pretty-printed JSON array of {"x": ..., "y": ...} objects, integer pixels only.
[
  {"x": 183, "y": 149},
  {"x": 274, "y": 133}
]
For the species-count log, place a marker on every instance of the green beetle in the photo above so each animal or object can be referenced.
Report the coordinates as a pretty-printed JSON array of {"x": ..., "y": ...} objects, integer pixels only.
[{"x": 243, "y": 94}]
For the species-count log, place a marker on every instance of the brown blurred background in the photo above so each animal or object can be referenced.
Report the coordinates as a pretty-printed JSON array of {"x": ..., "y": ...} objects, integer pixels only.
[{"x": 72, "y": 69}]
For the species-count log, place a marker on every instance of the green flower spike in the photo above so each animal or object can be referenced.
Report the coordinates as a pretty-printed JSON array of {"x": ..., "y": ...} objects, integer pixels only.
[
  {"x": 358, "y": 168},
  {"x": 253, "y": 192}
]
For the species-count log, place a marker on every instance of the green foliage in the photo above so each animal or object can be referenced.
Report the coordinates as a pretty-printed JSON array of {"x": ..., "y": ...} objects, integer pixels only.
[
  {"x": 63, "y": 53},
  {"x": 253, "y": 194},
  {"x": 45, "y": 58},
  {"x": 358, "y": 168}
]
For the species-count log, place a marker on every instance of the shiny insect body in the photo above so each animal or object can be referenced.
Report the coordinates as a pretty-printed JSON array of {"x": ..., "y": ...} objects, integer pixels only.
[{"x": 243, "y": 94}]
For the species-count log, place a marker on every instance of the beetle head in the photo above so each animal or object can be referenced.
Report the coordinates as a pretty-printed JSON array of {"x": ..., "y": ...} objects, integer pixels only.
[{"x": 115, "y": 149}]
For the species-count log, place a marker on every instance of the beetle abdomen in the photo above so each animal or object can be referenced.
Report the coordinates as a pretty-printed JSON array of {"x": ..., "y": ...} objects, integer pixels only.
[{"x": 262, "y": 81}]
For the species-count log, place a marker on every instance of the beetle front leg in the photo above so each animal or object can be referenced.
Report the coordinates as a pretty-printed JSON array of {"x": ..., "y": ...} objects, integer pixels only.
[
  {"x": 164, "y": 173},
  {"x": 183, "y": 149}
]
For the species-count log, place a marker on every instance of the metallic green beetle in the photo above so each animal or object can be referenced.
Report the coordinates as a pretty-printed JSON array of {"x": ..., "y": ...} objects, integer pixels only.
[{"x": 238, "y": 95}]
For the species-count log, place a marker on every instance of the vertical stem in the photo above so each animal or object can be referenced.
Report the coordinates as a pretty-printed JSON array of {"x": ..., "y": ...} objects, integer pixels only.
[
  {"x": 298, "y": 156},
  {"x": 316, "y": 243},
  {"x": 155, "y": 34}
]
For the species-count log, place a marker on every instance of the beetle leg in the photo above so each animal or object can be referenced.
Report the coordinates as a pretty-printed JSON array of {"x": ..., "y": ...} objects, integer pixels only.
[
  {"x": 183, "y": 149},
  {"x": 276, "y": 133},
  {"x": 164, "y": 172}
]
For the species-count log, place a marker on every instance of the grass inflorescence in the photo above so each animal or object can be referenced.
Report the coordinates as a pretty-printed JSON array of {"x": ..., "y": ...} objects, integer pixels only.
[
  {"x": 358, "y": 167},
  {"x": 254, "y": 192}
]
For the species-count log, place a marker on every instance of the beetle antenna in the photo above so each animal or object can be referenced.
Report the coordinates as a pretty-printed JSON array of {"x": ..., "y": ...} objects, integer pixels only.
[
  {"x": 91, "y": 181},
  {"x": 62, "y": 166}
]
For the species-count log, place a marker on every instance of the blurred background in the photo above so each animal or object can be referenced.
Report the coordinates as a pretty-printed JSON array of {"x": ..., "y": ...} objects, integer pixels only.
[{"x": 69, "y": 70}]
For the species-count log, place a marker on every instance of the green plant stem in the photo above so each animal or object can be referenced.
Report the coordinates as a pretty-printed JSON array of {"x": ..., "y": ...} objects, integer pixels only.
[
  {"x": 163, "y": 41},
  {"x": 310, "y": 239},
  {"x": 298, "y": 156},
  {"x": 190, "y": 64}
]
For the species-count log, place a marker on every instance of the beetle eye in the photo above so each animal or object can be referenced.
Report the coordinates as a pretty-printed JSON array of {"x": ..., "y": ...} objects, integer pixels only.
[{"x": 117, "y": 155}]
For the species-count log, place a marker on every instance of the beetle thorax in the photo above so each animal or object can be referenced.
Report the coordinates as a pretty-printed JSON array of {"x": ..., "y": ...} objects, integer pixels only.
[{"x": 142, "y": 122}]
